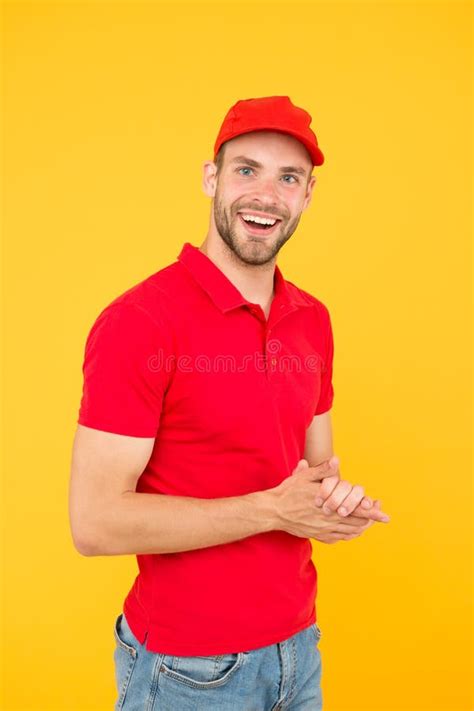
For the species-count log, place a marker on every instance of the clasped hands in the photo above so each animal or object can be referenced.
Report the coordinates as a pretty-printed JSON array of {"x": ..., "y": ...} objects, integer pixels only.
[{"x": 339, "y": 499}]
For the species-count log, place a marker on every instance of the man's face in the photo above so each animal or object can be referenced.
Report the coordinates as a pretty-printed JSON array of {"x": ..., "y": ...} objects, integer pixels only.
[{"x": 261, "y": 176}]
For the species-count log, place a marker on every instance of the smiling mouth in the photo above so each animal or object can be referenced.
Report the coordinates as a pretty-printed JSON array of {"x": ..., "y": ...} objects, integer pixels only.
[{"x": 260, "y": 230}]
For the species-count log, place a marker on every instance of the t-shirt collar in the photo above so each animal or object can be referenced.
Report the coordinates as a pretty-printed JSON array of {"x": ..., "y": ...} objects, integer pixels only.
[{"x": 223, "y": 292}]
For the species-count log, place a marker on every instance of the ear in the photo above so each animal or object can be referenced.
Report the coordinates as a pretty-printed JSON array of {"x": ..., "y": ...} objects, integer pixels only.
[
  {"x": 309, "y": 192},
  {"x": 209, "y": 178}
]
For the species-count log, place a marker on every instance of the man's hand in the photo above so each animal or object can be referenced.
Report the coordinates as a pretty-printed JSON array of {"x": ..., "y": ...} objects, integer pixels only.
[
  {"x": 336, "y": 494},
  {"x": 295, "y": 511},
  {"x": 334, "y": 537}
]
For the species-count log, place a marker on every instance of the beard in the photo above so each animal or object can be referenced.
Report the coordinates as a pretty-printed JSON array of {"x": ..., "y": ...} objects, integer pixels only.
[{"x": 248, "y": 250}]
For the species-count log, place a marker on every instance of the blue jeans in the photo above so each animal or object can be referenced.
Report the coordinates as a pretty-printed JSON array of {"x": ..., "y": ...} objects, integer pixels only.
[{"x": 285, "y": 676}]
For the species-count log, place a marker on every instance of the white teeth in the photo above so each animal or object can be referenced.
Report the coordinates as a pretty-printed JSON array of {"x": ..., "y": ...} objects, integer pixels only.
[{"x": 260, "y": 220}]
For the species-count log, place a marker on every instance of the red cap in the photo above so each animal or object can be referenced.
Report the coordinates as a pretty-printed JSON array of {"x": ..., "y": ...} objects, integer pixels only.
[{"x": 270, "y": 113}]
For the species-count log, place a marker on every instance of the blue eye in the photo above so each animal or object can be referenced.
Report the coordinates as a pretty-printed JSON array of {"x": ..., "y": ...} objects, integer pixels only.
[{"x": 295, "y": 179}]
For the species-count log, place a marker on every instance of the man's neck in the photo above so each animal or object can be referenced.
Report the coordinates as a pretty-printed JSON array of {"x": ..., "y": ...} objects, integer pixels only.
[{"x": 255, "y": 282}]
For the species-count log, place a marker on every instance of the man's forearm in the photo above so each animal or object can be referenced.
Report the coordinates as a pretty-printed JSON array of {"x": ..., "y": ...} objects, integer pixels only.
[{"x": 140, "y": 523}]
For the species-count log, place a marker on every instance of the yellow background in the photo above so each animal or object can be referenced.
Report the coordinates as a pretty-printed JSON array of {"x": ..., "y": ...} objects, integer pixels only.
[{"x": 110, "y": 109}]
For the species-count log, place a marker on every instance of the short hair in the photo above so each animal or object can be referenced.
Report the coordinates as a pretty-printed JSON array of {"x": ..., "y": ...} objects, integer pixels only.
[{"x": 219, "y": 159}]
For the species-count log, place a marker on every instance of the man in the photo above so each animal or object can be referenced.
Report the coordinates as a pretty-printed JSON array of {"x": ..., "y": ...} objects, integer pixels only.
[{"x": 204, "y": 444}]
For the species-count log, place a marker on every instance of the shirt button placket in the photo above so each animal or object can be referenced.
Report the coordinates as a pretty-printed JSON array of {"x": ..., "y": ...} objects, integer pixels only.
[{"x": 270, "y": 359}]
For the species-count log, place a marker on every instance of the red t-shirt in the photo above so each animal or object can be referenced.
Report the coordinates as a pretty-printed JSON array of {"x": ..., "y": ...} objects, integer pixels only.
[{"x": 183, "y": 357}]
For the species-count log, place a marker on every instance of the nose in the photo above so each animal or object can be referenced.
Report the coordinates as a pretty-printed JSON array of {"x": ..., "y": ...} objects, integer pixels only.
[{"x": 266, "y": 192}]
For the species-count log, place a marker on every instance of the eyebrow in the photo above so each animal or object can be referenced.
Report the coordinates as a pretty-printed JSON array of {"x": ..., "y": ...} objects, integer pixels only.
[{"x": 256, "y": 164}]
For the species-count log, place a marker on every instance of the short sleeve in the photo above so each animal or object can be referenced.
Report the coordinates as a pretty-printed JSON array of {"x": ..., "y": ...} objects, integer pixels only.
[
  {"x": 123, "y": 388},
  {"x": 326, "y": 395}
]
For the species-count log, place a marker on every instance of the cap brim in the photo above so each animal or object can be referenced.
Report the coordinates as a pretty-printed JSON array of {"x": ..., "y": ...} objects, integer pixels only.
[{"x": 315, "y": 152}]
